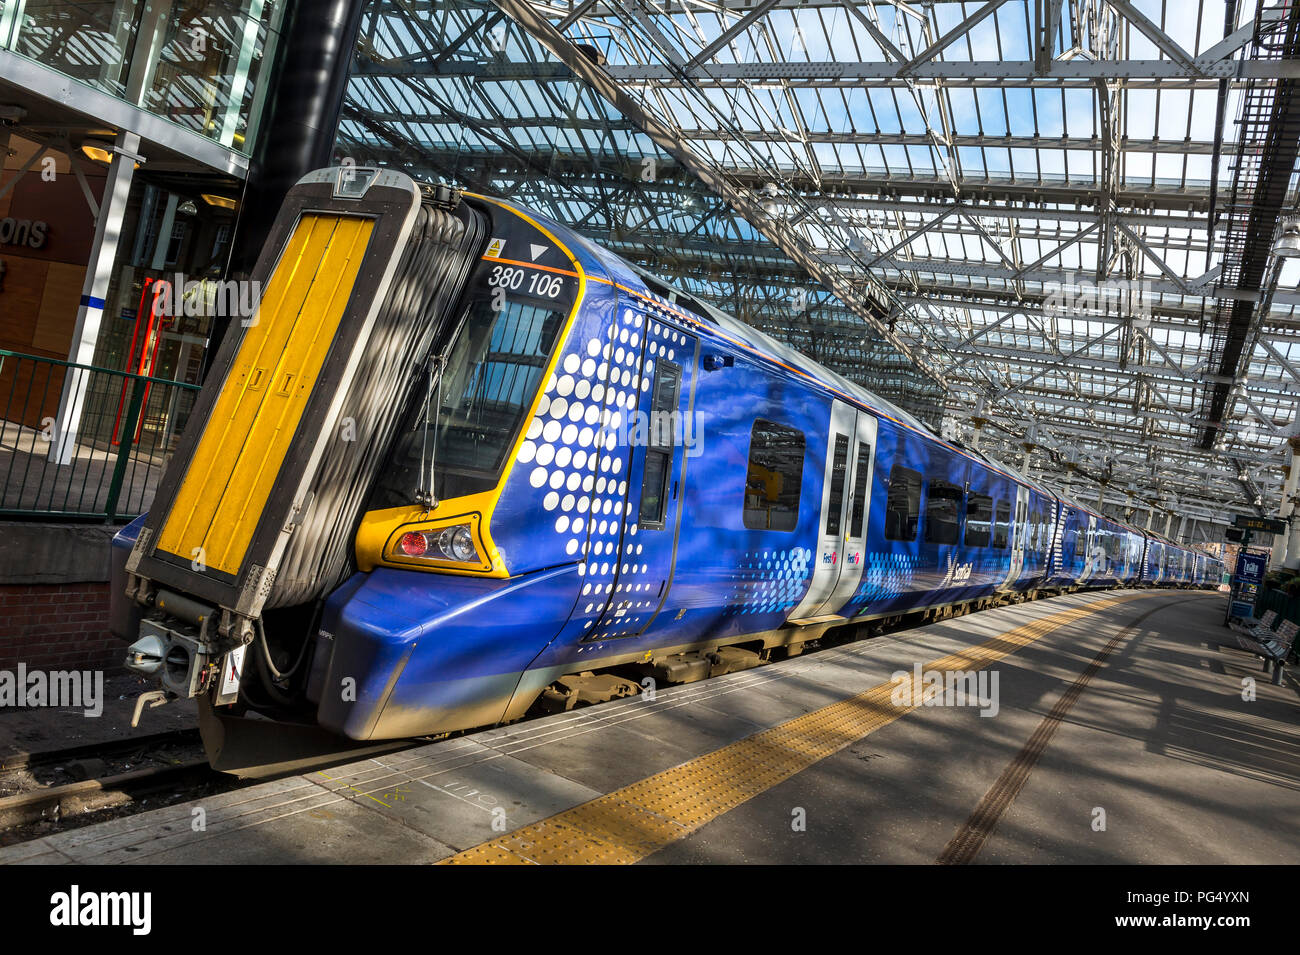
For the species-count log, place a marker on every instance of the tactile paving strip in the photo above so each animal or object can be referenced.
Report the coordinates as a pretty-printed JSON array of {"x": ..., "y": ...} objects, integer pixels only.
[{"x": 630, "y": 823}]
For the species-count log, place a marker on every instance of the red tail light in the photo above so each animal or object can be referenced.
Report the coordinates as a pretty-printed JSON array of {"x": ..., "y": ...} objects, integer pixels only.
[{"x": 413, "y": 545}]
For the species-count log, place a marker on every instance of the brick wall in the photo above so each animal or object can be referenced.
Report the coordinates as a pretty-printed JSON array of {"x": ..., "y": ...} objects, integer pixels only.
[{"x": 57, "y": 626}]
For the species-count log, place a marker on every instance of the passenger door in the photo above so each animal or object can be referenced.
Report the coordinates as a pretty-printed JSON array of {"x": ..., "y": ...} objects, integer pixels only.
[
  {"x": 1019, "y": 530},
  {"x": 842, "y": 519},
  {"x": 661, "y": 431}
]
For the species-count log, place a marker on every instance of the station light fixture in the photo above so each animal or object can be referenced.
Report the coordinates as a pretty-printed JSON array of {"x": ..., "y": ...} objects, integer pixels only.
[
  {"x": 97, "y": 150},
  {"x": 102, "y": 151},
  {"x": 1287, "y": 245}
]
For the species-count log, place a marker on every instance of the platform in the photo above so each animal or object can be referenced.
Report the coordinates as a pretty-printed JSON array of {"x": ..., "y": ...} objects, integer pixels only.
[{"x": 1121, "y": 736}]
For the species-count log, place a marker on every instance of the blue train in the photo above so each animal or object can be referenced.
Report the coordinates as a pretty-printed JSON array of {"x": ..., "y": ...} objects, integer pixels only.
[{"x": 465, "y": 461}]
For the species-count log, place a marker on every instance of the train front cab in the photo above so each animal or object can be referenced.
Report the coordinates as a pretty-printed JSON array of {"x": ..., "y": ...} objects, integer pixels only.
[{"x": 456, "y": 596}]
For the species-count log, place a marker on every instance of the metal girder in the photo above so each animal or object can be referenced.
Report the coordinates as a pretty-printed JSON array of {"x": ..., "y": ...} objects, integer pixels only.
[
  {"x": 1074, "y": 73},
  {"x": 875, "y": 138},
  {"x": 948, "y": 39},
  {"x": 916, "y": 167},
  {"x": 746, "y": 203},
  {"x": 1079, "y": 74},
  {"x": 740, "y": 26}
]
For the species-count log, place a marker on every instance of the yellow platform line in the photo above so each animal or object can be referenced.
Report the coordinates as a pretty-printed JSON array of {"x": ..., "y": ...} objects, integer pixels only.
[{"x": 630, "y": 823}]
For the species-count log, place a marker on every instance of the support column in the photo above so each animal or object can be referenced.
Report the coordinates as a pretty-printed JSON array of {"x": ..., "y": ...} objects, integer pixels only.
[
  {"x": 1291, "y": 560},
  {"x": 1151, "y": 512},
  {"x": 1182, "y": 526},
  {"x": 1287, "y": 543},
  {"x": 1169, "y": 521},
  {"x": 1030, "y": 447},
  {"x": 297, "y": 127},
  {"x": 90, "y": 315}
]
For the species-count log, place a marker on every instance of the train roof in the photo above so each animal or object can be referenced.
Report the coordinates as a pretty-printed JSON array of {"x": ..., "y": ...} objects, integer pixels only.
[{"x": 768, "y": 347}]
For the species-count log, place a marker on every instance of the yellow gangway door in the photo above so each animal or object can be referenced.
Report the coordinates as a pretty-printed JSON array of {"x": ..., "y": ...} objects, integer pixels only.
[{"x": 230, "y": 477}]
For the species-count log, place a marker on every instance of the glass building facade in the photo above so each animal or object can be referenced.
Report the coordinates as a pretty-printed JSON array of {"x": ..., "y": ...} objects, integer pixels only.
[{"x": 201, "y": 64}]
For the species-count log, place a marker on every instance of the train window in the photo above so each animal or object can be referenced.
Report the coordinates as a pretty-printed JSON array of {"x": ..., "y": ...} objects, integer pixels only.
[
  {"x": 979, "y": 515},
  {"x": 860, "y": 487},
  {"x": 1001, "y": 524},
  {"x": 839, "y": 474},
  {"x": 943, "y": 512},
  {"x": 1110, "y": 544},
  {"x": 663, "y": 416},
  {"x": 659, "y": 453},
  {"x": 467, "y": 425},
  {"x": 903, "y": 504},
  {"x": 654, "y": 488},
  {"x": 773, "y": 479}
]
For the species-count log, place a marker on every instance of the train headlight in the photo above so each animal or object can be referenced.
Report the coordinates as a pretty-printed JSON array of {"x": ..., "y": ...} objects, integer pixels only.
[
  {"x": 451, "y": 544},
  {"x": 457, "y": 543}
]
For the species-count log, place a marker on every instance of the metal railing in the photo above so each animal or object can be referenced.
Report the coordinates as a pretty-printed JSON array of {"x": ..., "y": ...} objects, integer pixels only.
[{"x": 103, "y": 463}]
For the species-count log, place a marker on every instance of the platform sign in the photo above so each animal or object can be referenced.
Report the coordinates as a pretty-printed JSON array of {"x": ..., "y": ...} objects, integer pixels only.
[
  {"x": 1246, "y": 583},
  {"x": 1262, "y": 525}
]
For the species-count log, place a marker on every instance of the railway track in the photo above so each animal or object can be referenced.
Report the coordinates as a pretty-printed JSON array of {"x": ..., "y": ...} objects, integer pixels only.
[
  {"x": 105, "y": 780},
  {"x": 56, "y": 786},
  {"x": 112, "y": 778},
  {"x": 135, "y": 747}
]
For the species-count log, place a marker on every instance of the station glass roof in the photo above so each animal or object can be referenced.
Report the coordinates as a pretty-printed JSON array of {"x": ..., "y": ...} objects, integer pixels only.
[{"x": 992, "y": 213}]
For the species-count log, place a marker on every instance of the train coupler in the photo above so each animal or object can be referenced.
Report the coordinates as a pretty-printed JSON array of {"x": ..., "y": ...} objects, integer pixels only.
[{"x": 154, "y": 699}]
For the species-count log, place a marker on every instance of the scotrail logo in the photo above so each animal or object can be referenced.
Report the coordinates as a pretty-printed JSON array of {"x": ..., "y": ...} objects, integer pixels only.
[
  {"x": 957, "y": 573},
  {"x": 946, "y": 688}
]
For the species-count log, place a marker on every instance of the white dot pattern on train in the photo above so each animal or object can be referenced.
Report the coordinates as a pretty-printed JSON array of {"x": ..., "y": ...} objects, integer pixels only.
[
  {"x": 884, "y": 577},
  {"x": 770, "y": 581},
  {"x": 573, "y": 449}
]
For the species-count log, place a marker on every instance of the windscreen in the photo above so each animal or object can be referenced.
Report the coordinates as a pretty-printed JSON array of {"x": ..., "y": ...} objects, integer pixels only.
[{"x": 473, "y": 398}]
